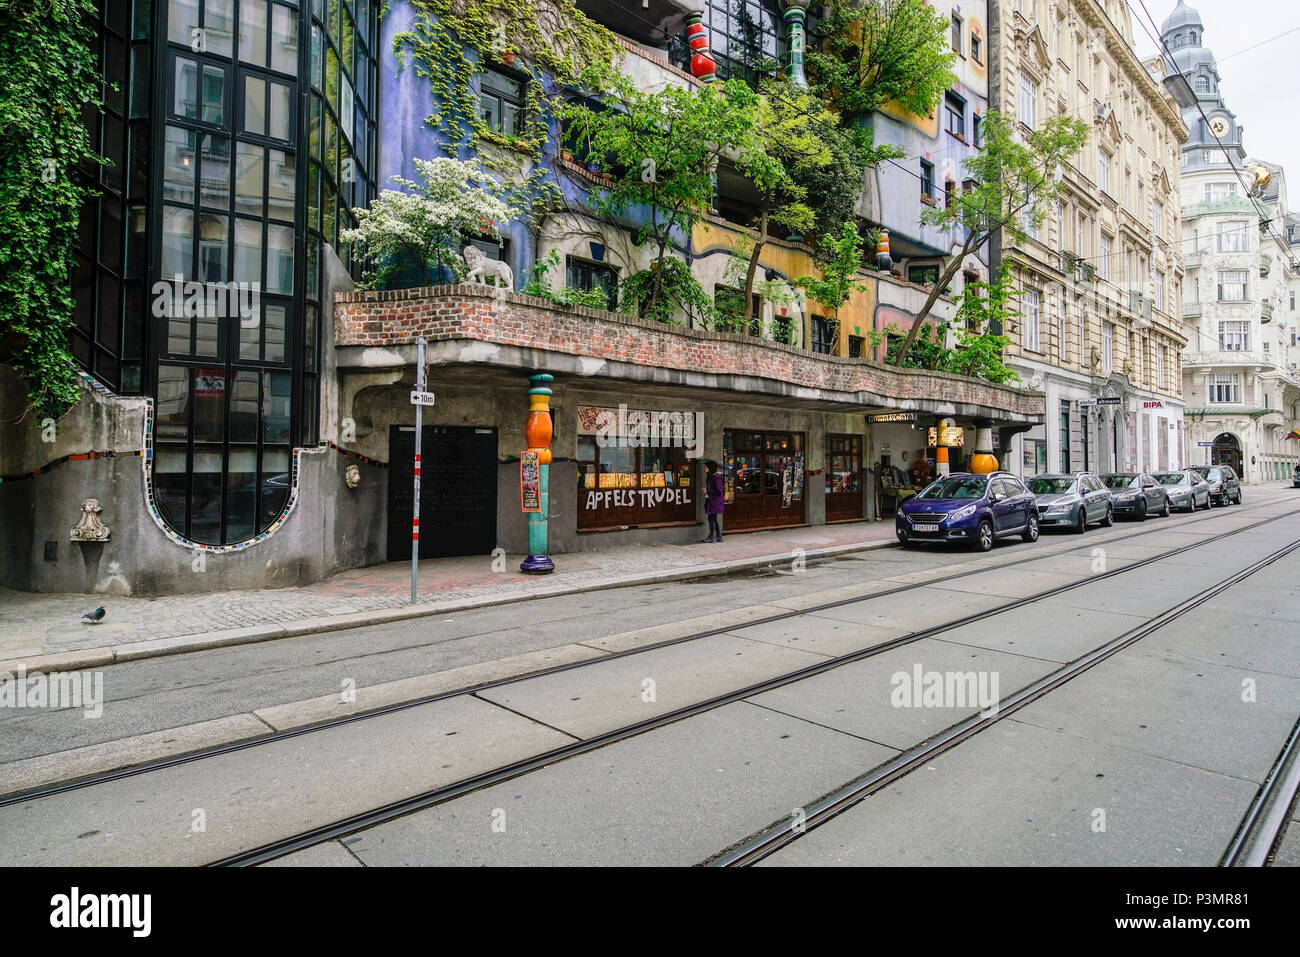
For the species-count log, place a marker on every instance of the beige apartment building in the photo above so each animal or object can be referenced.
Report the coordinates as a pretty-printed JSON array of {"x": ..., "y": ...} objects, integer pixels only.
[{"x": 1100, "y": 332}]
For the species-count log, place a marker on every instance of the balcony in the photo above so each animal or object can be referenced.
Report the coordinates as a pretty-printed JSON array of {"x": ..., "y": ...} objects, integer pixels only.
[
  {"x": 1265, "y": 264},
  {"x": 1266, "y": 311},
  {"x": 1225, "y": 357},
  {"x": 1193, "y": 259},
  {"x": 1192, "y": 310}
]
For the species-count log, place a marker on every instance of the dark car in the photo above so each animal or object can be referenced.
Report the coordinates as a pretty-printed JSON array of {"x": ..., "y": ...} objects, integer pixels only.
[
  {"x": 964, "y": 507},
  {"x": 1136, "y": 494},
  {"x": 1071, "y": 501},
  {"x": 1295, "y": 479},
  {"x": 1186, "y": 489},
  {"x": 1225, "y": 487}
]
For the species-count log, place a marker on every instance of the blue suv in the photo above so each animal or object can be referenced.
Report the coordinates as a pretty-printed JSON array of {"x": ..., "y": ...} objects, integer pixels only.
[{"x": 964, "y": 507}]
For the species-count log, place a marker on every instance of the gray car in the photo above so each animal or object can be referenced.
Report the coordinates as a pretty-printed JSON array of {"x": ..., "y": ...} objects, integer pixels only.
[
  {"x": 1071, "y": 501},
  {"x": 1187, "y": 491},
  {"x": 1136, "y": 495}
]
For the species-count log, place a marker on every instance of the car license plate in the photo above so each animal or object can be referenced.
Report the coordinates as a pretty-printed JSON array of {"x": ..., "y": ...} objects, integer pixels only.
[{"x": 926, "y": 528}]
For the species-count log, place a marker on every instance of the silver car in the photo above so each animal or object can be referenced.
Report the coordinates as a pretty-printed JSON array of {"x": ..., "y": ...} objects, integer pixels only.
[
  {"x": 1187, "y": 491},
  {"x": 1136, "y": 494},
  {"x": 1071, "y": 501}
]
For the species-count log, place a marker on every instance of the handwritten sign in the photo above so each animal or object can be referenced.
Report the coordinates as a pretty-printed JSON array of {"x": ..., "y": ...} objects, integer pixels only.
[{"x": 530, "y": 481}]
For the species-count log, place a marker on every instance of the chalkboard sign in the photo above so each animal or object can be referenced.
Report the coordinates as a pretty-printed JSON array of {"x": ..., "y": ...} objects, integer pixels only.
[{"x": 530, "y": 481}]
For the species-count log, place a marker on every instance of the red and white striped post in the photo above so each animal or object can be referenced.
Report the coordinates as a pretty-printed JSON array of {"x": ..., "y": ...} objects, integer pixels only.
[{"x": 419, "y": 432}]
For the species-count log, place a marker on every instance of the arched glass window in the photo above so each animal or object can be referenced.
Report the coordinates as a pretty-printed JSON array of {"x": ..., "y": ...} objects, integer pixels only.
[
  {"x": 1202, "y": 84},
  {"x": 1191, "y": 38}
]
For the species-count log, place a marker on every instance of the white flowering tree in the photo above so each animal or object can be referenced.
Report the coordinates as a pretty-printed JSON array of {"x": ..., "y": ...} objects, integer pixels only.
[{"x": 413, "y": 234}]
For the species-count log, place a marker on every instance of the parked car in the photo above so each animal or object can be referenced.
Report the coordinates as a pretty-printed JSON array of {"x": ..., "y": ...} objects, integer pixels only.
[
  {"x": 1295, "y": 479},
  {"x": 1136, "y": 494},
  {"x": 1186, "y": 489},
  {"x": 1225, "y": 487},
  {"x": 964, "y": 507},
  {"x": 1072, "y": 501}
]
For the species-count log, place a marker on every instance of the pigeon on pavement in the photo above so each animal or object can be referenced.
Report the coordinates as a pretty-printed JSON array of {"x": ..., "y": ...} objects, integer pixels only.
[{"x": 94, "y": 617}]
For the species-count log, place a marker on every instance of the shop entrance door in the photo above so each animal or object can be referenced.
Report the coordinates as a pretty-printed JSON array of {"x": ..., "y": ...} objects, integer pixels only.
[
  {"x": 1226, "y": 451},
  {"x": 843, "y": 477},
  {"x": 764, "y": 473},
  {"x": 458, "y": 491}
]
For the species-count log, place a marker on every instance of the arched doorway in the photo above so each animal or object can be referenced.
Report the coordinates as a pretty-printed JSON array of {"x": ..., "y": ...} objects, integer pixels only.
[{"x": 1226, "y": 451}]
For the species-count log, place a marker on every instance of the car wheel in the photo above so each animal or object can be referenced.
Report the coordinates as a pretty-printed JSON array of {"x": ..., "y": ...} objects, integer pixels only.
[
  {"x": 1109, "y": 520},
  {"x": 1081, "y": 525},
  {"x": 984, "y": 540},
  {"x": 1142, "y": 510},
  {"x": 1237, "y": 500},
  {"x": 1031, "y": 529},
  {"x": 1164, "y": 513},
  {"x": 902, "y": 537}
]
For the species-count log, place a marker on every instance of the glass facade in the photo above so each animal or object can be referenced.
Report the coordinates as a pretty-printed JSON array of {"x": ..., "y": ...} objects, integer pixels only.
[{"x": 242, "y": 135}]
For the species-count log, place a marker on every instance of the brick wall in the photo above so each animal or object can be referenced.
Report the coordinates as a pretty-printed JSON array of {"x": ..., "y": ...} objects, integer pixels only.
[{"x": 472, "y": 312}]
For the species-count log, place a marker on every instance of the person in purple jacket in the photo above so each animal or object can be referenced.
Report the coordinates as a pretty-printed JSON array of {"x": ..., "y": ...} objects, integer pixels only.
[{"x": 715, "y": 499}]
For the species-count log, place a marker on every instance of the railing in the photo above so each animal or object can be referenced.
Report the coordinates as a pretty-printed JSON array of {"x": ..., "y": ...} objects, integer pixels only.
[
  {"x": 1193, "y": 259},
  {"x": 1192, "y": 310}
]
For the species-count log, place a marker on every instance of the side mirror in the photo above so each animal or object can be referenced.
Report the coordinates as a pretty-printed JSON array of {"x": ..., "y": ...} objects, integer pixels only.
[{"x": 997, "y": 497}]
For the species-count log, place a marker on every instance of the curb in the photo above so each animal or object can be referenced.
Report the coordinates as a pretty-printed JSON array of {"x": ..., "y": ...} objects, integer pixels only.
[{"x": 183, "y": 644}]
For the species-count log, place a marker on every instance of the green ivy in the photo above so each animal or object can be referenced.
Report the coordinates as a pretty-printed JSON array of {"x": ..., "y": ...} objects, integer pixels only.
[
  {"x": 550, "y": 37},
  {"x": 47, "y": 76}
]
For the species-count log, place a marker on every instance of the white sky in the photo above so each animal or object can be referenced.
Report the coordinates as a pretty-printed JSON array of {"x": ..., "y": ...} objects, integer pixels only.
[{"x": 1259, "y": 84}]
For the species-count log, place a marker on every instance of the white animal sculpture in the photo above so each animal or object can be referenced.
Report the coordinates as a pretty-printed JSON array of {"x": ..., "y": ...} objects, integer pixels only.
[{"x": 480, "y": 268}]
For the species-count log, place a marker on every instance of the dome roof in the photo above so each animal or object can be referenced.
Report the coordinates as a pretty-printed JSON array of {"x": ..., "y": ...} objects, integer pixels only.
[{"x": 1183, "y": 16}]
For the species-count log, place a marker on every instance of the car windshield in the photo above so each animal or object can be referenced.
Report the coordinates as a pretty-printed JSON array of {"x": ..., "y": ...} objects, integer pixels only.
[
  {"x": 1121, "y": 481},
  {"x": 1050, "y": 486},
  {"x": 1171, "y": 478},
  {"x": 955, "y": 488}
]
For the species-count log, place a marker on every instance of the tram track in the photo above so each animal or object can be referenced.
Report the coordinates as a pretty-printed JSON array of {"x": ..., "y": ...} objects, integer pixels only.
[
  {"x": 939, "y": 578},
  {"x": 894, "y": 769}
]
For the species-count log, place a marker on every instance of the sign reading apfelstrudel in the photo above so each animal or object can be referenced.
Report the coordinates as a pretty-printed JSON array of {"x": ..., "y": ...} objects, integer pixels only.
[{"x": 636, "y": 467}]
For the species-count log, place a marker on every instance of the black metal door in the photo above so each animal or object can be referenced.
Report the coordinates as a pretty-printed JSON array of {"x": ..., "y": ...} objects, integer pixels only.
[{"x": 458, "y": 491}]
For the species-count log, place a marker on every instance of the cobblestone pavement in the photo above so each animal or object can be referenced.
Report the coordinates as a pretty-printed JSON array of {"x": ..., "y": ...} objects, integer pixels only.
[{"x": 33, "y": 624}]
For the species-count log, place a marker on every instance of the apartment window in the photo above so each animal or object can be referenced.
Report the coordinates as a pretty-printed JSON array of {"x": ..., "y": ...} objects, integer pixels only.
[
  {"x": 1065, "y": 436},
  {"x": 1231, "y": 236},
  {"x": 585, "y": 275},
  {"x": 1160, "y": 367},
  {"x": 977, "y": 129},
  {"x": 1160, "y": 290},
  {"x": 1225, "y": 387},
  {"x": 975, "y": 49},
  {"x": 1029, "y": 332},
  {"x": 1062, "y": 347},
  {"x": 1103, "y": 170},
  {"x": 927, "y": 179},
  {"x": 956, "y": 33},
  {"x": 1218, "y": 192},
  {"x": 955, "y": 108},
  {"x": 1078, "y": 59},
  {"x": 1232, "y": 285},
  {"x": 501, "y": 102},
  {"x": 1202, "y": 84},
  {"x": 1104, "y": 270},
  {"x": 1234, "y": 336},
  {"x": 1028, "y": 101},
  {"x": 1108, "y": 347},
  {"x": 1160, "y": 219},
  {"x": 856, "y": 344},
  {"x": 820, "y": 335},
  {"x": 1060, "y": 224},
  {"x": 746, "y": 38},
  {"x": 1080, "y": 231},
  {"x": 1293, "y": 302}
]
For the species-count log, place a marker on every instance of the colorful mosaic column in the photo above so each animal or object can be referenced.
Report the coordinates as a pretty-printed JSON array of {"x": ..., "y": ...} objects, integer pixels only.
[
  {"x": 794, "y": 21},
  {"x": 983, "y": 461},
  {"x": 703, "y": 67},
  {"x": 941, "y": 466},
  {"x": 537, "y": 433},
  {"x": 884, "y": 262}
]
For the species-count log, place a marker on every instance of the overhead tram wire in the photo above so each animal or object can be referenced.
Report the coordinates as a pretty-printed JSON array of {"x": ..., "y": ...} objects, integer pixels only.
[{"x": 1266, "y": 224}]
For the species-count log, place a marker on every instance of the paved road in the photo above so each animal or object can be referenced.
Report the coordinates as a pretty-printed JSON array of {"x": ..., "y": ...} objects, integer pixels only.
[{"x": 1159, "y": 739}]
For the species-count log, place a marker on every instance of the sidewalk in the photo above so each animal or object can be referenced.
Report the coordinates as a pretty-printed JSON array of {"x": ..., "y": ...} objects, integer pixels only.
[{"x": 45, "y": 629}]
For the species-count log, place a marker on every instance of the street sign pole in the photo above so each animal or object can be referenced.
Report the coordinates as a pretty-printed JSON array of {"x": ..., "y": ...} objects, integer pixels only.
[{"x": 419, "y": 432}]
